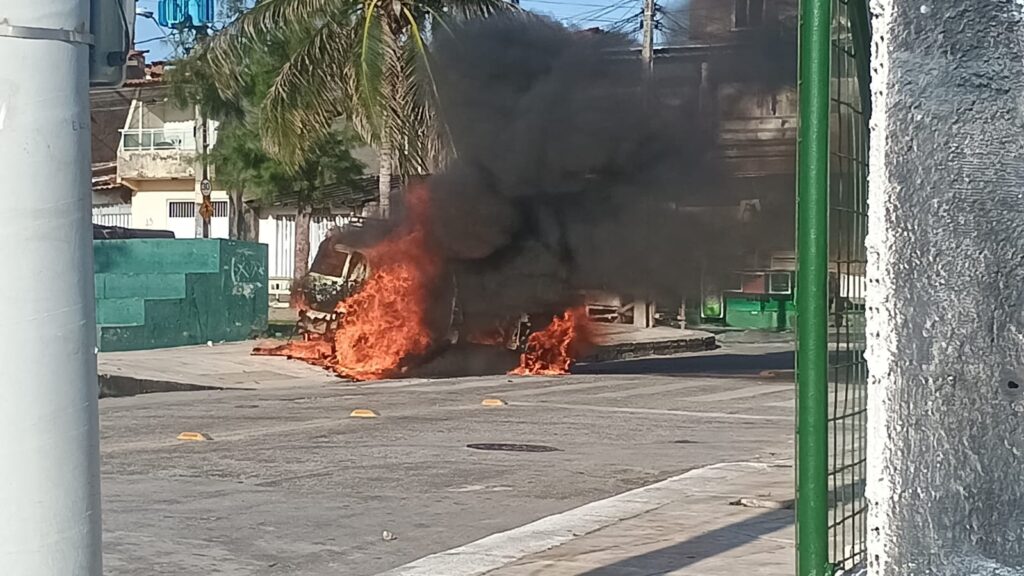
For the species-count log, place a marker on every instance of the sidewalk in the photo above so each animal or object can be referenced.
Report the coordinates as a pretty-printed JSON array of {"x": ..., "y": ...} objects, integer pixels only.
[
  {"x": 690, "y": 525},
  {"x": 229, "y": 365}
]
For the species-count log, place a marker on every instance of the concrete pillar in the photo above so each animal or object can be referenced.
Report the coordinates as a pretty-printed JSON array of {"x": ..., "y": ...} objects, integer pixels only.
[
  {"x": 643, "y": 313},
  {"x": 49, "y": 439},
  {"x": 946, "y": 289}
]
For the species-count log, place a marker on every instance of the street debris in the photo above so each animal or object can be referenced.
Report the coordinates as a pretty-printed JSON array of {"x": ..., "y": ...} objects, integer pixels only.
[{"x": 762, "y": 503}]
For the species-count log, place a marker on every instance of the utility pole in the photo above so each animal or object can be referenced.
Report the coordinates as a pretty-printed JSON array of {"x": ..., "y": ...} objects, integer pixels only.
[
  {"x": 49, "y": 433},
  {"x": 647, "y": 48},
  {"x": 644, "y": 310},
  {"x": 204, "y": 207}
]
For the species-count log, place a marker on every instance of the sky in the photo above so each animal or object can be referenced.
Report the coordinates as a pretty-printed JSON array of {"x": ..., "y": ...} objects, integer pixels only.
[{"x": 620, "y": 15}]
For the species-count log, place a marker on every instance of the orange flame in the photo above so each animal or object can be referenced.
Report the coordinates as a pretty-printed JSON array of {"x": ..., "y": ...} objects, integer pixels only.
[
  {"x": 385, "y": 322},
  {"x": 551, "y": 351}
]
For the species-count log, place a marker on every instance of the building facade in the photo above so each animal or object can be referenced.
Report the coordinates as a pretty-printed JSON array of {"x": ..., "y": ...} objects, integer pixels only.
[{"x": 738, "y": 61}]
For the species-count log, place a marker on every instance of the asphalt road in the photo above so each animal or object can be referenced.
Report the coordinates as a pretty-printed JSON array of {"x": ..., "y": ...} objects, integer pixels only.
[{"x": 291, "y": 485}]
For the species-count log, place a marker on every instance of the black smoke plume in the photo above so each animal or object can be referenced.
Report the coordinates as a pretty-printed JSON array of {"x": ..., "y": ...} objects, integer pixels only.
[{"x": 574, "y": 172}]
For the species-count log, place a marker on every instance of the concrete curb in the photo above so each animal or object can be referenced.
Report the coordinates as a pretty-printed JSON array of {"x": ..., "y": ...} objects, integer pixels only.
[
  {"x": 640, "y": 349},
  {"x": 112, "y": 386}
]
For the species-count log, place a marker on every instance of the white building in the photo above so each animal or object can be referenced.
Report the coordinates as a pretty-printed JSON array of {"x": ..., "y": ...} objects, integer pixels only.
[
  {"x": 158, "y": 159},
  {"x": 145, "y": 167}
]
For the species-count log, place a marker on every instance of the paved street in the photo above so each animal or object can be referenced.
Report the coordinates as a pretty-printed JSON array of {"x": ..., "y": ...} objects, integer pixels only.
[{"x": 290, "y": 484}]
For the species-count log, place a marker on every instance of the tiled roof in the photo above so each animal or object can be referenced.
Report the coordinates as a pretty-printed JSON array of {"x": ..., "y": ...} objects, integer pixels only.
[
  {"x": 107, "y": 186},
  {"x": 142, "y": 82}
]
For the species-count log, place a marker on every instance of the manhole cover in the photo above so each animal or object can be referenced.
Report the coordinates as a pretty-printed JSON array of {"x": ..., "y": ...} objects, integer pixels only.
[{"x": 513, "y": 447}]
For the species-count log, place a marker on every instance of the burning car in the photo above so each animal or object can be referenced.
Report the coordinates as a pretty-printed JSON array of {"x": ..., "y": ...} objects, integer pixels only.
[{"x": 379, "y": 300}]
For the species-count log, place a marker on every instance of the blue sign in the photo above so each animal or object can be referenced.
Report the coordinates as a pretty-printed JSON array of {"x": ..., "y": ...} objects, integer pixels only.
[{"x": 172, "y": 13}]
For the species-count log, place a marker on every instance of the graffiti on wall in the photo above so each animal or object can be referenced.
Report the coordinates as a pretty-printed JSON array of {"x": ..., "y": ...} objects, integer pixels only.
[{"x": 248, "y": 273}]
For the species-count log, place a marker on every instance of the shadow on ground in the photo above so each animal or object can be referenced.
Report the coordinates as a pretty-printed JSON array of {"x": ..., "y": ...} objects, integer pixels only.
[
  {"x": 709, "y": 544},
  {"x": 720, "y": 540},
  {"x": 471, "y": 360}
]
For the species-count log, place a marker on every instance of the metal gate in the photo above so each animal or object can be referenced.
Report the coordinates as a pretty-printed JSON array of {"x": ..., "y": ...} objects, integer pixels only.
[
  {"x": 113, "y": 215},
  {"x": 278, "y": 233},
  {"x": 832, "y": 226}
]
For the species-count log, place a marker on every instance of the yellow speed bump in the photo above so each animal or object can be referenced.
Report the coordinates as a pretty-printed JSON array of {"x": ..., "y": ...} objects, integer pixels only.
[
  {"x": 493, "y": 402},
  {"x": 194, "y": 436},
  {"x": 363, "y": 413}
]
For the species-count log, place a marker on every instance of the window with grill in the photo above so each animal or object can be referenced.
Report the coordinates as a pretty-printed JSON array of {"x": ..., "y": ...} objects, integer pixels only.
[
  {"x": 749, "y": 13},
  {"x": 181, "y": 209},
  {"x": 188, "y": 209}
]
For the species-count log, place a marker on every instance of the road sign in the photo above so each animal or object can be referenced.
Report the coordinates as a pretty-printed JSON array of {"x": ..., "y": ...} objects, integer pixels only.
[{"x": 205, "y": 187}]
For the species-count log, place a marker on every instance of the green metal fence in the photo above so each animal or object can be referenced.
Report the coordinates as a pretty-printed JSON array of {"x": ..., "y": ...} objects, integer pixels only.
[{"x": 832, "y": 225}]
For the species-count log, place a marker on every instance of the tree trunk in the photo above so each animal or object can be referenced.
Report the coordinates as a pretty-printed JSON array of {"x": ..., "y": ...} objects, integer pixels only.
[
  {"x": 251, "y": 219},
  {"x": 236, "y": 216},
  {"x": 384, "y": 184},
  {"x": 302, "y": 218}
]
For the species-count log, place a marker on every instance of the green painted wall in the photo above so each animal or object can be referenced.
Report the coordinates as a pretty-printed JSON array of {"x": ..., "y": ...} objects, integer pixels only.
[
  {"x": 157, "y": 293},
  {"x": 759, "y": 314}
]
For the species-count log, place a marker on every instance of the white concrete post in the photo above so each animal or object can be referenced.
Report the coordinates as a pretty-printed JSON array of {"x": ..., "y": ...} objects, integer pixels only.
[
  {"x": 49, "y": 441},
  {"x": 945, "y": 287},
  {"x": 643, "y": 314}
]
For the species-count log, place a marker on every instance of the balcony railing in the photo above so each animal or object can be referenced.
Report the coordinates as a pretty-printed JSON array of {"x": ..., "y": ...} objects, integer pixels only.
[{"x": 152, "y": 139}]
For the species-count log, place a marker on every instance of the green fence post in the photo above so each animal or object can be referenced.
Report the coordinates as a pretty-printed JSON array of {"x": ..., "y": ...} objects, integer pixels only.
[{"x": 812, "y": 289}]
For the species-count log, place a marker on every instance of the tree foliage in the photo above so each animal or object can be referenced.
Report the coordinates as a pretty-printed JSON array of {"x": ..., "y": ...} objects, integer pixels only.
[
  {"x": 361, "y": 60},
  {"x": 240, "y": 160}
]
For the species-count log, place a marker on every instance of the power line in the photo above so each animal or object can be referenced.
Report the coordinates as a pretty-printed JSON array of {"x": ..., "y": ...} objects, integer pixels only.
[
  {"x": 620, "y": 24},
  {"x": 588, "y": 15},
  {"x": 681, "y": 26},
  {"x": 559, "y": 3},
  {"x": 154, "y": 39}
]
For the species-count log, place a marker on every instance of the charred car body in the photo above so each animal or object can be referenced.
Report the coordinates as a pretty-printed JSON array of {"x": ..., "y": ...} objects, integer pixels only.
[{"x": 341, "y": 267}]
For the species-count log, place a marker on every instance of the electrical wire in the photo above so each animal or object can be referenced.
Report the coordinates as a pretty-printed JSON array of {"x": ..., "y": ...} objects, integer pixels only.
[
  {"x": 680, "y": 25},
  {"x": 589, "y": 15},
  {"x": 558, "y": 3},
  {"x": 153, "y": 39}
]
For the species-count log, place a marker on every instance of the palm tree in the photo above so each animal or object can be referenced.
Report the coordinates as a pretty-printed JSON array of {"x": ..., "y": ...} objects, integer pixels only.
[
  {"x": 362, "y": 61},
  {"x": 243, "y": 166}
]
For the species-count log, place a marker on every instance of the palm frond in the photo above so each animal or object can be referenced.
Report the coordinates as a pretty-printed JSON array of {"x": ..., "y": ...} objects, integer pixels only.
[
  {"x": 375, "y": 38},
  {"x": 225, "y": 52},
  {"x": 274, "y": 16},
  {"x": 463, "y": 9},
  {"x": 310, "y": 91}
]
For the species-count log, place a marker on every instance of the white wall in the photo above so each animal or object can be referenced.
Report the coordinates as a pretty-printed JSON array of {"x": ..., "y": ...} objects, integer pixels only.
[{"x": 151, "y": 209}]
